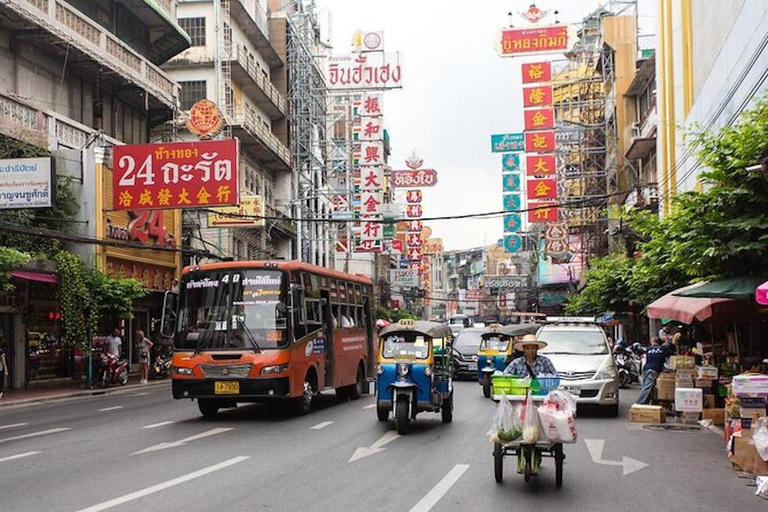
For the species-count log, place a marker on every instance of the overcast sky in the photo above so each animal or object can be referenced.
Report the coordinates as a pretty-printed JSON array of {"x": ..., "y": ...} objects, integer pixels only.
[{"x": 456, "y": 92}]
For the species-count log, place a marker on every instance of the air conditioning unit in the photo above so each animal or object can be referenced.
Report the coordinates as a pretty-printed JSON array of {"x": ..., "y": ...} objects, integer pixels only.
[{"x": 635, "y": 127}]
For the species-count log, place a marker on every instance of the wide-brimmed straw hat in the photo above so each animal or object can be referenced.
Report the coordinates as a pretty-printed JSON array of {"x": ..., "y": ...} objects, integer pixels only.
[{"x": 529, "y": 339}]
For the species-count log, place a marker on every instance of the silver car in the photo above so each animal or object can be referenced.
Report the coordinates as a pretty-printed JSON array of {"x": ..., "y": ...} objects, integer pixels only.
[{"x": 582, "y": 358}]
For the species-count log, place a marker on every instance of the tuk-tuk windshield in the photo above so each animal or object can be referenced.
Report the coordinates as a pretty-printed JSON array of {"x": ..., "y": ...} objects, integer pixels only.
[
  {"x": 494, "y": 342},
  {"x": 408, "y": 345}
]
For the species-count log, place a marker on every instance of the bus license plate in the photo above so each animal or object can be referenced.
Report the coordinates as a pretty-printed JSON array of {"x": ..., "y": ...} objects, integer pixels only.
[{"x": 226, "y": 387}]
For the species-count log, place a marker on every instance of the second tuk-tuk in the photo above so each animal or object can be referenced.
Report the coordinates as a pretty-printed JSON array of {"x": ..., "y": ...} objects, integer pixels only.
[
  {"x": 414, "y": 372},
  {"x": 496, "y": 350}
]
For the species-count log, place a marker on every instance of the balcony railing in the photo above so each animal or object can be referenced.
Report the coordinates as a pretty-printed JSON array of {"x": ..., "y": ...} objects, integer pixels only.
[
  {"x": 73, "y": 27},
  {"x": 248, "y": 119},
  {"x": 241, "y": 56},
  {"x": 46, "y": 129}
]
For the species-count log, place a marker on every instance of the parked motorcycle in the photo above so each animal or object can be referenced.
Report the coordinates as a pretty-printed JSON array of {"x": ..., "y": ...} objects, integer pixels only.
[
  {"x": 111, "y": 371},
  {"x": 628, "y": 364},
  {"x": 161, "y": 367}
]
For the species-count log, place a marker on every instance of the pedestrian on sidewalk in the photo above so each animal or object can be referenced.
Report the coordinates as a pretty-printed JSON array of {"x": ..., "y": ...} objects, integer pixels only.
[
  {"x": 3, "y": 364},
  {"x": 143, "y": 345},
  {"x": 655, "y": 357},
  {"x": 114, "y": 343}
]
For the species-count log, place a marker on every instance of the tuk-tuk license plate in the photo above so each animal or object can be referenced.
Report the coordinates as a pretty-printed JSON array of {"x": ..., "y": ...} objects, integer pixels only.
[
  {"x": 574, "y": 390},
  {"x": 226, "y": 387}
]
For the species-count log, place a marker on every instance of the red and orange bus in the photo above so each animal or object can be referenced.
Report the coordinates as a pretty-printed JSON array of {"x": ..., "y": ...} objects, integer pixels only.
[{"x": 270, "y": 330}]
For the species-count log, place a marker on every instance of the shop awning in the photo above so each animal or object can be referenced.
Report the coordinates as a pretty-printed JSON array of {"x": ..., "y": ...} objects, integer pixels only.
[
  {"x": 742, "y": 288},
  {"x": 34, "y": 276},
  {"x": 688, "y": 309}
]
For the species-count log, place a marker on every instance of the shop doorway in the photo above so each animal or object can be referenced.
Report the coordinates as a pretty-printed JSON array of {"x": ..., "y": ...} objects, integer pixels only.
[{"x": 7, "y": 347}]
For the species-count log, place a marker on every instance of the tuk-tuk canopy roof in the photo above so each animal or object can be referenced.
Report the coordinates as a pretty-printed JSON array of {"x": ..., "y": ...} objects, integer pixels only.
[
  {"x": 519, "y": 329},
  {"x": 431, "y": 329}
]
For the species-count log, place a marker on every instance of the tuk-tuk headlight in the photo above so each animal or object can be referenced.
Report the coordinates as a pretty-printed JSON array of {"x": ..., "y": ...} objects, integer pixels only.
[
  {"x": 402, "y": 369},
  {"x": 379, "y": 369},
  {"x": 490, "y": 360},
  {"x": 428, "y": 371}
]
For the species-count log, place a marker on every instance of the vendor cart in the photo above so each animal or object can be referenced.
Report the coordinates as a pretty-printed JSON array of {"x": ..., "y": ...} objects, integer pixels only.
[{"x": 528, "y": 458}]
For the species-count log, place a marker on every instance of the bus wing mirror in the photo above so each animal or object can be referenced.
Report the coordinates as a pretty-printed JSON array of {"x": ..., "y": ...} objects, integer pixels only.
[{"x": 168, "y": 320}]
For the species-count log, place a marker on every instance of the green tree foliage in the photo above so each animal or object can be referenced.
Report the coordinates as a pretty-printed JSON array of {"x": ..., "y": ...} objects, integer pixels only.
[
  {"x": 9, "y": 259},
  {"x": 607, "y": 287}
]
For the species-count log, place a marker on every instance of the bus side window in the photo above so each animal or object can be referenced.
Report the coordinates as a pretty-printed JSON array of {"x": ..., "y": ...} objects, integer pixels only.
[{"x": 299, "y": 327}]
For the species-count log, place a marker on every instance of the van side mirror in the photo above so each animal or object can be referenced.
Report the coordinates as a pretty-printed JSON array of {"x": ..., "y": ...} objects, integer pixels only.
[{"x": 170, "y": 314}]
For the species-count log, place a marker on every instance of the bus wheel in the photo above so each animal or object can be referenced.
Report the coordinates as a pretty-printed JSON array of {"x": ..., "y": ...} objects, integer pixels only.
[
  {"x": 301, "y": 405},
  {"x": 356, "y": 391},
  {"x": 209, "y": 408}
]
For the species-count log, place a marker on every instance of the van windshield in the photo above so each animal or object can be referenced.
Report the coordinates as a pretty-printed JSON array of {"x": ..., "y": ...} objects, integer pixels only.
[{"x": 565, "y": 341}]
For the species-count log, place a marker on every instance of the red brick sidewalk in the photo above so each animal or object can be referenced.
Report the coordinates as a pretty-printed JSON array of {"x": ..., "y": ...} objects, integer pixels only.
[{"x": 67, "y": 390}]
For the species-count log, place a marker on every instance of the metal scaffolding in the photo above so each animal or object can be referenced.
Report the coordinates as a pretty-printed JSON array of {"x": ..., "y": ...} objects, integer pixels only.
[{"x": 307, "y": 97}]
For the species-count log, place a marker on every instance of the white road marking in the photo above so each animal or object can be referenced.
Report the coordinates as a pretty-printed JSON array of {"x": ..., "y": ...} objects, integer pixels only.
[
  {"x": 321, "y": 425},
  {"x": 13, "y": 425},
  {"x": 371, "y": 406},
  {"x": 111, "y": 408},
  {"x": 182, "y": 442},
  {"x": 442, "y": 487},
  {"x": 162, "y": 486},
  {"x": 376, "y": 447},
  {"x": 595, "y": 447},
  {"x": 19, "y": 456},
  {"x": 35, "y": 434},
  {"x": 162, "y": 423},
  {"x": 139, "y": 394}
]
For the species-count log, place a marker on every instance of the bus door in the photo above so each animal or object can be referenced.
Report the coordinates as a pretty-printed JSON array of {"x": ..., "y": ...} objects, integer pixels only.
[{"x": 325, "y": 300}]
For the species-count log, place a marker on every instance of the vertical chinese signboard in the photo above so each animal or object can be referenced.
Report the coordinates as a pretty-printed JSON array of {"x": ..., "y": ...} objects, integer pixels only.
[{"x": 368, "y": 175}]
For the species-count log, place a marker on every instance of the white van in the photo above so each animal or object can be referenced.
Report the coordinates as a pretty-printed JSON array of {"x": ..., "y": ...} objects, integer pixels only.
[{"x": 579, "y": 350}]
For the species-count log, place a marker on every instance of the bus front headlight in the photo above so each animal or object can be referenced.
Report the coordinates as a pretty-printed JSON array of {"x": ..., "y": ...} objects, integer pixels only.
[{"x": 277, "y": 368}]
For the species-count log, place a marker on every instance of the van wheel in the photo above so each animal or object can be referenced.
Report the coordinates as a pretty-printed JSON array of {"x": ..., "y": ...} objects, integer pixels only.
[{"x": 209, "y": 408}]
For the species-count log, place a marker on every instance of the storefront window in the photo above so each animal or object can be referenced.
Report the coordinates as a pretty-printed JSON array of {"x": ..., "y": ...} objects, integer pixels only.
[{"x": 48, "y": 358}]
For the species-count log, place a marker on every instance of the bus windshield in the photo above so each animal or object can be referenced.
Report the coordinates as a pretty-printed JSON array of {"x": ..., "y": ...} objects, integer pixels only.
[{"x": 232, "y": 309}]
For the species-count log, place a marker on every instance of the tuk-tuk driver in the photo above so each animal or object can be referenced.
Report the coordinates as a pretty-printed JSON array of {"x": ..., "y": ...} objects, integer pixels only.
[{"x": 530, "y": 364}]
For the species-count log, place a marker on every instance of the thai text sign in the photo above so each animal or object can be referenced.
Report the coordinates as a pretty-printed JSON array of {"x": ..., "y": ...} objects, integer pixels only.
[
  {"x": 540, "y": 165},
  {"x": 433, "y": 246},
  {"x": 542, "y": 188},
  {"x": 515, "y": 42},
  {"x": 538, "y": 96},
  {"x": 250, "y": 213},
  {"x": 178, "y": 175},
  {"x": 26, "y": 183},
  {"x": 539, "y": 118},
  {"x": 504, "y": 142},
  {"x": 540, "y": 142},
  {"x": 376, "y": 70},
  {"x": 536, "y": 72},
  {"x": 520, "y": 282},
  {"x": 414, "y": 178}
]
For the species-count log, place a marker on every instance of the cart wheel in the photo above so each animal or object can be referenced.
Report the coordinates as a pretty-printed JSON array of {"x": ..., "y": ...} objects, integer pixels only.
[
  {"x": 487, "y": 386},
  {"x": 498, "y": 462},
  {"x": 559, "y": 464},
  {"x": 527, "y": 470}
]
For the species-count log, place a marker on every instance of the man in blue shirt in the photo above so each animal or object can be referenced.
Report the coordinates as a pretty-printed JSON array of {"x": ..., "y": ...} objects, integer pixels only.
[
  {"x": 655, "y": 357},
  {"x": 531, "y": 361}
]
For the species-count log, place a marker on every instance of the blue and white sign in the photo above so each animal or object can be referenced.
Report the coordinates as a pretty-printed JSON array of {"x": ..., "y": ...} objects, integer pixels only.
[
  {"x": 510, "y": 162},
  {"x": 513, "y": 243},
  {"x": 512, "y": 202},
  {"x": 510, "y": 182},
  {"x": 26, "y": 183},
  {"x": 512, "y": 223},
  {"x": 505, "y": 142}
]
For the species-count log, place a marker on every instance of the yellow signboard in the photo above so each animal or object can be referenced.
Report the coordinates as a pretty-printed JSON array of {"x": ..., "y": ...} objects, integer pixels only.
[
  {"x": 250, "y": 213},
  {"x": 433, "y": 246}
]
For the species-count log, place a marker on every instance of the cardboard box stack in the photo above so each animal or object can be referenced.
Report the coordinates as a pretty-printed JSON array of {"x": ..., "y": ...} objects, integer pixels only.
[
  {"x": 752, "y": 392},
  {"x": 706, "y": 377},
  {"x": 646, "y": 414},
  {"x": 665, "y": 386},
  {"x": 689, "y": 402}
]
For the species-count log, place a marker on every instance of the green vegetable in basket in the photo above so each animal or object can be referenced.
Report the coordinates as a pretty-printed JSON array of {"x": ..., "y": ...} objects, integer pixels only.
[{"x": 509, "y": 435}]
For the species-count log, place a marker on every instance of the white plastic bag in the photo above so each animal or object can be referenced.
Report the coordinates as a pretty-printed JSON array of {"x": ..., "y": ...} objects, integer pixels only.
[
  {"x": 760, "y": 437},
  {"x": 762, "y": 487},
  {"x": 506, "y": 426},
  {"x": 557, "y": 415},
  {"x": 531, "y": 423}
]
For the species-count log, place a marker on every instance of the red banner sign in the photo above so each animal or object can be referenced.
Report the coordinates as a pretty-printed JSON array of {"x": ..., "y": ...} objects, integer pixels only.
[
  {"x": 414, "y": 178},
  {"x": 536, "y": 72},
  {"x": 542, "y": 189},
  {"x": 537, "y": 96},
  {"x": 513, "y": 42},
  {"x": 540, "y": 142},
  {"x": 543, "y": 212},
  {"x": 177, "y": 175},
  {"x": 540, "y": 165},
  {"x": 539, "y": 118},
  {"x": 413, "y": 211},
  {"x": 413, "y": 196}
]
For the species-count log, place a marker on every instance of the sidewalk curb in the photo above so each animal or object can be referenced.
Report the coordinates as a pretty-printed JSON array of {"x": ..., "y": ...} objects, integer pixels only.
[{"x": 83, "y": 393}]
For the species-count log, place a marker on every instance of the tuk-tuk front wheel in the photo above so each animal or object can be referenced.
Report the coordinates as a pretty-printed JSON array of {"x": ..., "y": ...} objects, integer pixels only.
[
  {"x": 401, "y": 414},
  {"x": 487, "y": 386},
  {"x": 447, "y": 409}
]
